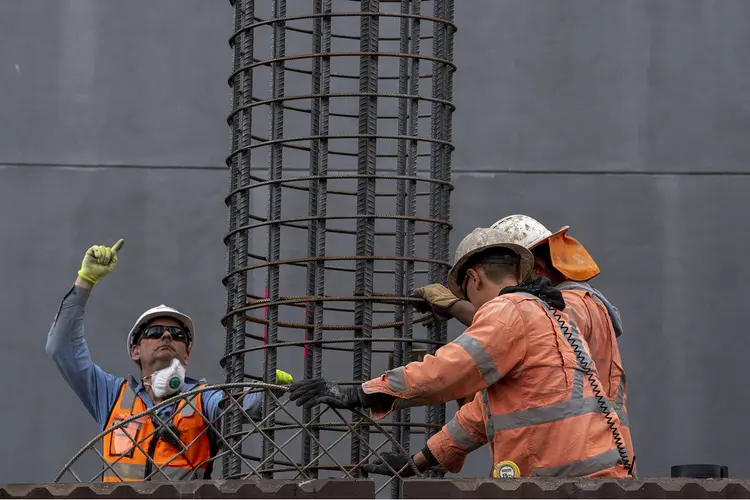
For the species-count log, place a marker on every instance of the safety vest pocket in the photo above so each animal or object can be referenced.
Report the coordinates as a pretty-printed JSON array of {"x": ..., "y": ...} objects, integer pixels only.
[{"x": 124, "y": 438}]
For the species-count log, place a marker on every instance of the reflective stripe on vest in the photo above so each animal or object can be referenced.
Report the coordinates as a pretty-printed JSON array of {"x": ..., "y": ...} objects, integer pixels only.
[
  {"x": 396, "y": 380},
  {"x": 477, "y": 352},
  {"x": 128, "y": 399},
  {"x": 481, "y": 358},
  {"x": 135, "y": 472},
  {"x": 579, "y": 468},
  {"x": 462, "y": 438},
  {"x": 619, "y": 403}
]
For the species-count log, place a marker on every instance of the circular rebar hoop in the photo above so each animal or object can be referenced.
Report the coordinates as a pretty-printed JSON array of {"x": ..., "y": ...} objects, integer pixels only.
[
  {"x": 89, "y": 464},
  {"x": 353, "y": 99}
]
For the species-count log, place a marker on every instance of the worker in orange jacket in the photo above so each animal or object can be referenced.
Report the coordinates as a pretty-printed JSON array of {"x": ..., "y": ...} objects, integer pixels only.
[
  {"x": 569, "y": 266},
  {"x": 536, "y": 406}
]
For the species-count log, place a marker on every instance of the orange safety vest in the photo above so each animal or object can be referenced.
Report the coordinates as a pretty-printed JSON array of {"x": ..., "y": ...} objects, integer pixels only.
[{"x": 130, "y": 461}]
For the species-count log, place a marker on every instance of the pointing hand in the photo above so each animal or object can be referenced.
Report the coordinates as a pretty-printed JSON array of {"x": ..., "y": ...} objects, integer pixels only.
[{"x": 99, "y": 261}]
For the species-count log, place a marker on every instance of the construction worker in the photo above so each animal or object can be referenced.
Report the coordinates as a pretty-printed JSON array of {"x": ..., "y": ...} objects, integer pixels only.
[
  {"x": 160, "y": 343},
  {"x": 569, "y": 266},
  {"x": 532, "y": 378}
]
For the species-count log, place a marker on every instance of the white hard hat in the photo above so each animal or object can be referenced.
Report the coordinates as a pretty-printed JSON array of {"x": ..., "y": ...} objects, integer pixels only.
[
  {"x": 524, "y": 230},
  {"x": 479, "y": 240},
  {"x": 163, "y": 311}
]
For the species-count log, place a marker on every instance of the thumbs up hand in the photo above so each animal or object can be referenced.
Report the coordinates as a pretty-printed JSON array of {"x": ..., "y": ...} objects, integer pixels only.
[{"x": 99, "y": 261}]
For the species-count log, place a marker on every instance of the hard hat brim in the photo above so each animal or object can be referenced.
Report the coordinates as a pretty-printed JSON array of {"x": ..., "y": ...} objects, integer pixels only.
[
  {"x": 526, "y": 264},
  {"x": 547, "y": 238}
]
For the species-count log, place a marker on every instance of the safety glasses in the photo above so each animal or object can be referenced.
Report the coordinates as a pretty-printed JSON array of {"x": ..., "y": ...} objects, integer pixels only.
[{"x": 156, "y": 331}]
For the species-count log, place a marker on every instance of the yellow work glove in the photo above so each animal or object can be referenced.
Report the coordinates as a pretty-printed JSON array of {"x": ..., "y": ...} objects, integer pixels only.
[
  {"x": 283, "y": 378},
  {"x": 99, "y": 261},
  {"x": 438, "y": 298}
]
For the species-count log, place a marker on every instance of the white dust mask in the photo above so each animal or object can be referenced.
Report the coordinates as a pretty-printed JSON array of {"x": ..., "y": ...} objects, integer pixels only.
[{"x": 169, "y": 380}]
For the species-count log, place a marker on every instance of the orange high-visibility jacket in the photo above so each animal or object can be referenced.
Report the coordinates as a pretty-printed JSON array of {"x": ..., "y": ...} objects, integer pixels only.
[
  {"x": 540, "y": 411},
  {"x": 130, "y": 460},
  {"x": 595, "y": 326}
]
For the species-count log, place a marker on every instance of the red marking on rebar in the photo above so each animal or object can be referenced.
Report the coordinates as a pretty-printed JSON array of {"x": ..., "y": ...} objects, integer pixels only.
[{"x": 265, "y": 316}]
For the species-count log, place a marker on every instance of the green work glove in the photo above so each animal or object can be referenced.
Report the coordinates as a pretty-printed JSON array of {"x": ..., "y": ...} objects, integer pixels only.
[
  {"x": 283, "y": 378},
  {"x": 99, "y": 261}
]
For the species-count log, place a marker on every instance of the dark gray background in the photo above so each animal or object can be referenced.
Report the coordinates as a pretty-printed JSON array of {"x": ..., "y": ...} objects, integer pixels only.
[{"x": 627, "y": 120}]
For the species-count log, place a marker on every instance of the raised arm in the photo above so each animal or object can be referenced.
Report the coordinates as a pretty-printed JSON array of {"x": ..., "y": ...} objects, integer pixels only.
[{"x": 66, "y": 342}]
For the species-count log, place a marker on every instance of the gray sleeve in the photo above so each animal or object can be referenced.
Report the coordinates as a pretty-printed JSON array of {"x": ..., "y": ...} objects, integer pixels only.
[{"x": 66, "y": 345}]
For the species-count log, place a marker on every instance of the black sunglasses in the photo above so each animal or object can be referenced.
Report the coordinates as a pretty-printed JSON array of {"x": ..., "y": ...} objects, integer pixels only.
[{"x": 156, "y": 331}]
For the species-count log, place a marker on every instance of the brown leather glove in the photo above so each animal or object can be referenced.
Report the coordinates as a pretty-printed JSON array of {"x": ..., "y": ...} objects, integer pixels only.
[{"x": 438, "y": 300}]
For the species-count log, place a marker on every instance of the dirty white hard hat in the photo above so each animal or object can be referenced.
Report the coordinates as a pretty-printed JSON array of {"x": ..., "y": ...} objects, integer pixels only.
[
  {"x": 163, "y": 311},
  {"x": 479, "y": 240},
  {"x": 524, "y": 230}
]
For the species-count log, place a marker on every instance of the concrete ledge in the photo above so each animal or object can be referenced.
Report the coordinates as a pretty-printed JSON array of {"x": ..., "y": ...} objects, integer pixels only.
[
  {"x": 580, "y": 488},
  {"x": 319, "y": 488}
]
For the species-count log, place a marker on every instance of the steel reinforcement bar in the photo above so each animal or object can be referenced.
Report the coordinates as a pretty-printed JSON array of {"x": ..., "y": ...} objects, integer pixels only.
[{"x": 339, "y": 200}]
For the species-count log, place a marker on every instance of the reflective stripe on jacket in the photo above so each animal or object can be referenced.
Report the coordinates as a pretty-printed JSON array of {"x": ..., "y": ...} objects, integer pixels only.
[
  {"x": 175, "y": 461},
  {"x": 588, "y": 309},
  {"x": 538, "y": 409}
]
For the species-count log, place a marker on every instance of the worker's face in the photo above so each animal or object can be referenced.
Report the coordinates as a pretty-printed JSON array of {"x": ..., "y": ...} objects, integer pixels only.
[{"x": 157, "y": 351}]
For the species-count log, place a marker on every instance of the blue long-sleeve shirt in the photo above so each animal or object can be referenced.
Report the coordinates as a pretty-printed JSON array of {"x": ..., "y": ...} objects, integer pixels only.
[{"x": 97, "y": 389}]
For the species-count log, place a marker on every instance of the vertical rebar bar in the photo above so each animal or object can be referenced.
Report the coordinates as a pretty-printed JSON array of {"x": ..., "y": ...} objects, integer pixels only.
[
  {"x": 366, "y": 168},
  {"x": 239, "y": 213},
  {"x": 312, "y": 311},
  {"x": 274, "y": 214}
]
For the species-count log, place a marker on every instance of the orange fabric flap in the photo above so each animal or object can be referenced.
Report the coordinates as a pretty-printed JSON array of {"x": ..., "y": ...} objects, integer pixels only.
[{"x": 571, "y": 259}]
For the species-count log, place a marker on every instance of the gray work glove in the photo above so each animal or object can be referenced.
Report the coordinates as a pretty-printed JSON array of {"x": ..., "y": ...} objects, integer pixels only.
[
  {"x": 311, "y": 392},
  {"x": 398, "y": 462}
]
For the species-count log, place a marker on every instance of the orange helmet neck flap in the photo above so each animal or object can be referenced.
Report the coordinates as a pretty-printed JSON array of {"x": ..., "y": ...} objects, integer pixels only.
[{"x": 571, "y": 258}]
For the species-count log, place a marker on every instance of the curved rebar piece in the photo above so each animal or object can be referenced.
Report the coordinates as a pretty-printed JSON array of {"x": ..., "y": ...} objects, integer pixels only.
[
  {"x": 82, "y": 469},
  {"x": 352, "y": 99}
]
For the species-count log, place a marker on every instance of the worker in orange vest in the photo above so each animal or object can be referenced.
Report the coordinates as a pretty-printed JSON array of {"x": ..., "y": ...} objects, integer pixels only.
[
  {"x": 569, "y": 266},
  {"x": 524, "y": 360},
  {"x": 176, "y": 438}
]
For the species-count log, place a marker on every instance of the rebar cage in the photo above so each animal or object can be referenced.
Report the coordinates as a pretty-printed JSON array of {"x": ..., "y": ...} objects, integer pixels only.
[{"x": 339, "y": 203}]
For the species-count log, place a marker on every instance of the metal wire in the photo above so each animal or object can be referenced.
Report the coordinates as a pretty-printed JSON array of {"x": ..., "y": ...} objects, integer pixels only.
[
  {"x": 89, "y": 465},
  {"x": 286, "y": 232}
]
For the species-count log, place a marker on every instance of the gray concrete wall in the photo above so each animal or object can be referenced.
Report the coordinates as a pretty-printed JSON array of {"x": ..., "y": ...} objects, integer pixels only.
[{"x": 626, "y": 120}]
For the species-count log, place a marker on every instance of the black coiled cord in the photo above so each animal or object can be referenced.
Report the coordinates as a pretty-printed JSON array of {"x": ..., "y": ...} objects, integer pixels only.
[{"x": 601, "y": 401}]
